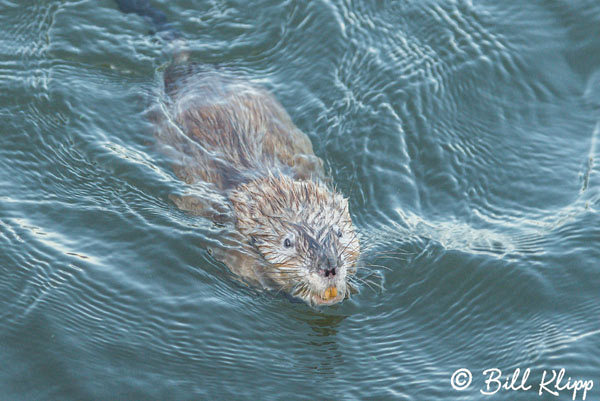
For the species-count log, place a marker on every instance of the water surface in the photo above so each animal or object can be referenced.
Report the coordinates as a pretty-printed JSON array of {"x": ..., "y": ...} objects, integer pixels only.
[{"x": 466, "y": 135}]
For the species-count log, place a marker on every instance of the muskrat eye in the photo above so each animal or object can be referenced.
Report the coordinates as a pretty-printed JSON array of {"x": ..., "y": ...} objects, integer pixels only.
[{"x": 287, "y": 243}]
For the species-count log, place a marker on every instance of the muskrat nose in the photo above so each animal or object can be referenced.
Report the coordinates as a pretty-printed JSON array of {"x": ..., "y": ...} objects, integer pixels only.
[
  {"x": 327, "y": 264},
  {"x": 327, "y": 271}
]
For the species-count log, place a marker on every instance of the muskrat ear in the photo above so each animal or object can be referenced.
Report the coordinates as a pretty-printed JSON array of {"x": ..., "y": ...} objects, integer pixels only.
[{"x": 307, "y": 167}]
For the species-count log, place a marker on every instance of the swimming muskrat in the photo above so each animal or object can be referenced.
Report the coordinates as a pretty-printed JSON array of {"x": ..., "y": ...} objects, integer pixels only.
[
  {"x": 237, "y": 137},
  {"x": 295, "y": 229}
]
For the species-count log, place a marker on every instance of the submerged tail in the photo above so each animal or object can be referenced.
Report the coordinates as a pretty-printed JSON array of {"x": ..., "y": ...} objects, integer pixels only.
[
  {"x": 144, "y": 9},
  {"x": 176, "y": 45}
]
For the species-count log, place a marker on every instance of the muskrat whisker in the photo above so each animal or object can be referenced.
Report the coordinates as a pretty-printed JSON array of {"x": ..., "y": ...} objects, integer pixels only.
[
  {"x": 391, "y": 257},
  {"x": 286, "y": 275},
  {"x": 351, "y": 288},
  {"x": 288, "y": 272},
  {"x": 350, "y": 242},
  {"x": 370, "y": 274},
  {"x": 285, "y": 271},
  {"x": 285, "y": 266},
  {"x": 394, "y": 253},
  {"x": 279, "y": 290},
  {"x": 367, "y": 283},
  {"x": 368, "y": 269},
  {"x": 300, "y": 292},
  {"x": 374, "y": 283},
  {"x": 380, "y": 266},
  {"x": 293, "y": 289}
]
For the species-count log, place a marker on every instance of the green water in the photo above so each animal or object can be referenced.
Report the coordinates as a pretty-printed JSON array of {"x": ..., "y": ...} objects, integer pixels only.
[{"x": 466, "y": 135}]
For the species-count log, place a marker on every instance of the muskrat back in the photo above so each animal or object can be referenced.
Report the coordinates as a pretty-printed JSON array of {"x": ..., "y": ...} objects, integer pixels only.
[
  {"x": 228, "y": 132},
  {"x": 296, "y": 231}
]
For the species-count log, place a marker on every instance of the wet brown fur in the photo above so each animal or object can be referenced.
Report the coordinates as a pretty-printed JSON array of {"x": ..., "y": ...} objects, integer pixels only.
[
  {"x": 239, "y": 139},
  {"x": 238, "y": 131}
]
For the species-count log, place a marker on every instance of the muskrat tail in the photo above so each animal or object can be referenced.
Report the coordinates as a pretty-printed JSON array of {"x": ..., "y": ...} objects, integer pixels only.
[
  {"x": 160, "y": 25},
  {"x": 144, "y": 9}
]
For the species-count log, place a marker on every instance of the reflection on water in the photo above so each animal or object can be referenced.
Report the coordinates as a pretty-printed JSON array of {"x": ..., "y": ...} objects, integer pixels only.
[{"x": 464, "y": 134}]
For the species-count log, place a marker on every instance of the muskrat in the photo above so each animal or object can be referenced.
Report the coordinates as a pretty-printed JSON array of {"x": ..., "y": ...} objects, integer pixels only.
[{"x": 296, "y": 233}]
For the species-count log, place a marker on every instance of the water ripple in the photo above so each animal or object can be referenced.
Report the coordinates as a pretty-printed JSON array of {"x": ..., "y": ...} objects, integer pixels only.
[{"x": 465, "y": 135}]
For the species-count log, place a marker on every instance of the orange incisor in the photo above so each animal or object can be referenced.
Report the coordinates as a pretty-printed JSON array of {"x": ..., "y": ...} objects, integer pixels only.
[{"x": 330, "y": 293}]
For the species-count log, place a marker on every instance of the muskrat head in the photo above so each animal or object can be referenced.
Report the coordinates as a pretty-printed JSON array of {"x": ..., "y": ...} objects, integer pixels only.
[{"x": 304, "y": 233}]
